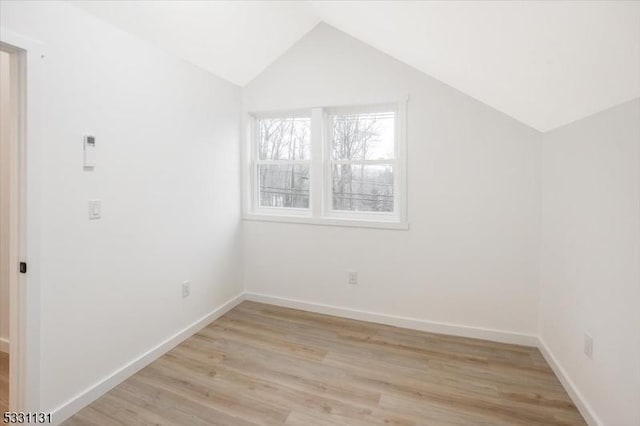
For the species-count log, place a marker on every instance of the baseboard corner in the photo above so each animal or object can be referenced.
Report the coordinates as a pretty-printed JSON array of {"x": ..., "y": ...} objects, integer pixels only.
[
  {"x": 500, "y": 336},
  {"x": 569, "y": 386},
  {"x": 86, "y": 397}
]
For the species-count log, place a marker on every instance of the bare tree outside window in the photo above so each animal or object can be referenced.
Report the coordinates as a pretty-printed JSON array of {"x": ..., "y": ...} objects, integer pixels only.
[
  {"x": 283, "y": 161},
  {"x": 362, "y": 161}
]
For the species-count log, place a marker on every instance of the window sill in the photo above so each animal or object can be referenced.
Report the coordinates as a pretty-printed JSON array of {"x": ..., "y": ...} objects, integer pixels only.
[{"x": 328, "y": 221}]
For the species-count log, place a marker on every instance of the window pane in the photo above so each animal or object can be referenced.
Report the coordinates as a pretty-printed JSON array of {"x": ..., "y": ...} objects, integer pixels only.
[
  {"x": 367, "y": 188},
  {"x": 284, "y": 138},
  {"x": 367, "y": 136},
  {"x": 284, "y": 185}
]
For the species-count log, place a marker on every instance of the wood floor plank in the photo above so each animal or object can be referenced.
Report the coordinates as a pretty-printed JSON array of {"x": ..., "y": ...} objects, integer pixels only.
[{"x": 266, "y": 365}]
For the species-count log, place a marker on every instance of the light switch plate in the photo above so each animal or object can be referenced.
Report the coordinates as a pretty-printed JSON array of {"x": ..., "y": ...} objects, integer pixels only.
[
  {"x": 95, "y": 209},
  {"x": 186, "y": 289},
  {"x": 588, "y": 345}
]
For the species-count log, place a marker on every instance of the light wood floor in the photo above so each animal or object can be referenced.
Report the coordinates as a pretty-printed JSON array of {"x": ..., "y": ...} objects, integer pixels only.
[
  {"x": 266, "y": 365},
  {"x": 4, "y": 382}
]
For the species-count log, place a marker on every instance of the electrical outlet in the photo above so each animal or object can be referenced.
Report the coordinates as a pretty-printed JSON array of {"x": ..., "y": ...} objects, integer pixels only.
[
  {"x": 186, "y": 289},
  {"x": 353, "y": 277},
  {"x": 95, "y": 209},
  {"x": 588, "y": 346}
]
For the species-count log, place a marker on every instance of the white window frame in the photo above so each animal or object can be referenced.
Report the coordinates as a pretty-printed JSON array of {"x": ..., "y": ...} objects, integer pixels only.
[
  {"x": 256, "y": 162},
  {"x": 320, "y": 211}
]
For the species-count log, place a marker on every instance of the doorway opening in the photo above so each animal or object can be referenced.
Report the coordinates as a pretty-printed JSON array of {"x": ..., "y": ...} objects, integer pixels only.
[{"x": 11, "y": 232}]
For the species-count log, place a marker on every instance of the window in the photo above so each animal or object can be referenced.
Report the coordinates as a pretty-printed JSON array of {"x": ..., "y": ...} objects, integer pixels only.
[
  {"x": 337, "y": 166},
  {"x": 362, "y": 161},
  {"x": 283, "y": 153}
]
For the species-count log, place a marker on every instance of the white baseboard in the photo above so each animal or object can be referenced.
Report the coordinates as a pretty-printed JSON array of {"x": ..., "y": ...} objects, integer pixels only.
[
  {"x": 444, "y": 328},
  {"x": 89, "y": 395},
  {"x": 580, "y": 402},
  {"x": 4, "y": 345},
  {"x": 94, "y": 392},
  {"x": 399, "y": 321}
]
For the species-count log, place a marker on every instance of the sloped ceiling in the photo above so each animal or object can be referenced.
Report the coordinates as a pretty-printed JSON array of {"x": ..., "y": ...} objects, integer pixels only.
[
  {"x": 544, "y": 63},
  {"x": 235, "y": 40}
]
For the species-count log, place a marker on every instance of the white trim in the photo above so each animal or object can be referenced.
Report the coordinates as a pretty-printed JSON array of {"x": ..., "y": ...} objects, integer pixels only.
[
  {"x": 4, "y": 345},
  {"x": 255, "y": 162},
  {"x": 320, "y": 197},
  {"x": 283, "y": 113},
  {"x": 89, "y": 395},
  {"x": 402, "y": 160},
  {"x": 281, "y": 212},
  {"x": 576, "y": 396},
  {"x": 92, "y": 393},
  {"x": 500, "y": 336},
  {"x": 327, "y": 221},
  {"x": 246, "y": 152},
  {"x": 24, "y": 384},
  {"x": 316, "y": 171},
  {"x": 283, "y": 162},
  {"x": 391, "y": 162},
  {"x": 398, "y": 163}
]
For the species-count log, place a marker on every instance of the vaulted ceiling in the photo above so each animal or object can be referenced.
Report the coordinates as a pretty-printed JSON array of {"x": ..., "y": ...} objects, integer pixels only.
[{"x": 544, "y": 63}]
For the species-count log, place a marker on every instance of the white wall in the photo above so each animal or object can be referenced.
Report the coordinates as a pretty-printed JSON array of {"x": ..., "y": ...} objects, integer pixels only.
[
  {"x": 168, "y": 177},
  {"x": 5, "y": 86},
  {"x": 471, "y": 255},
  {"x": 590, "y": 263}
]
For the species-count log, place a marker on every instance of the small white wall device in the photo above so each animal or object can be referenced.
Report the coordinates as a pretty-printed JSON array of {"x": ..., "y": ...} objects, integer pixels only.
[
  {"x": 95, "y": 209},
  {"x": 89, "y": 152}
]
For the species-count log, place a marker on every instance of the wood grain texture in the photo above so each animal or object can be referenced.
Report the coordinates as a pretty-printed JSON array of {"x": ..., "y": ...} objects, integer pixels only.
[
  {"x": 4, "y": 382},
  {"x": 266, "y": 365}
]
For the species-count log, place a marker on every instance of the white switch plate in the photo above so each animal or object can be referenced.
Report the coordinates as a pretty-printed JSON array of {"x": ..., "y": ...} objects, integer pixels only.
[
  {"x": 588, "y": 346},
  {"x": 353, "y": 277},
  {"x": 95, "y": 209},
  {"x": 186, "y": 289}
]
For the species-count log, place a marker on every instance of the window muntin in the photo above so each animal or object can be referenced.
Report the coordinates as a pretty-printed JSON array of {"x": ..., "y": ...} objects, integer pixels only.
[{"x": 282, "y": 165}]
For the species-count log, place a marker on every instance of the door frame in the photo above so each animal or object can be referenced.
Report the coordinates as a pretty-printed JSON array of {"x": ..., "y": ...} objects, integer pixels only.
[{"x": 27, "y": 83}]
